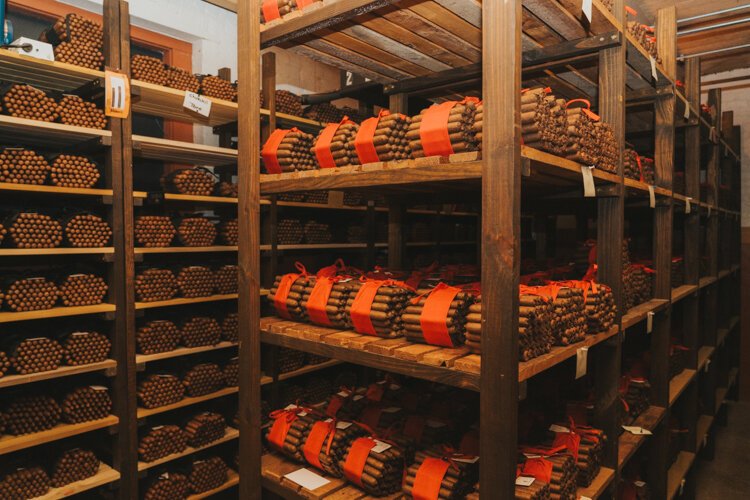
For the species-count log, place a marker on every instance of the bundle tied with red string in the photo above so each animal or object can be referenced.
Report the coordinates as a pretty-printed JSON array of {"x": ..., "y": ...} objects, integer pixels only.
[
  {"x": 334, "y": 145},
  {"x": 599, "y": 304},
  {"x": 635, "y": 392},
  {"x": 289, "y": 430},
  {"x": 375, "y": 465},
  {"x": 584, "y": 444},
  {"x": 644, "y": 34},
  {"x": 288, "y": 151},
  {"x": 347, "y": 403},
  {"x": 552, "y": 465},
  {"x": 382, "y": 138},
  {"x": 444, "y": 129},
  {"x": 427, "y": 430},
  {"x": 637, "y": 284},
  {"x": 569, "y": 322},
  {"x": 441, "y": 473},
  {"x": 375, "y": 307},
  {"x": 590, "y": 141},
  {"x": 326, "y": 295},
  {"x": 638, "y": 167},
  {"x": 287, "y": 292},
  {"x": 327, "y": 443},
  {"x": 437, "y": 316}
]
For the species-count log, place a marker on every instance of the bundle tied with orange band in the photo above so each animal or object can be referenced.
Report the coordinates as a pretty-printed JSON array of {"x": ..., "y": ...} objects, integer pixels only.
[
  {"x": 585, "y": 445},
  {"x": 441, "y": 473},
  {"x": 328, "y": 442},
  {"x": 551, "y": 465},
  {"x": 569, "y": 323},
  {"x": 290, "y": 429},
  {"x": 637, "y": 167},
  {"x": 444, "y": 129},
  {"x": 326, "y": 295},
  {"x": 375, "y": 307},
  {"x": 637, "y": 284},
  {"x": 599, "y": 304},
  {"x": 288, "y": 151},
  {"x": 376, "y": 466},
  {"x": 346, "y": 404},
  {"x": 438, "y": 316},
  {"x": 334, "y": 145},
  {"x": 590, "y": 140},
  {"x": 382, "y": 138},
  {"x": 286, "y": 294}
]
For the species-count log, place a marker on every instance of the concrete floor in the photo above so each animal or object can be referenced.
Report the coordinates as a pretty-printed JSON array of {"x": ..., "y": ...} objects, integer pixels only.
[{"x": 726, "y": 477}]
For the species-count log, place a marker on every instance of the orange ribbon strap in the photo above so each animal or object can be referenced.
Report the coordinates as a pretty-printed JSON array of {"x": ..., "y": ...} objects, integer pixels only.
[
  {"x": 271, "y": 148},
  {"x": 428, "y": 479},
  {"x": 357, "y": 458},
  {"x": 587, "y": 110},
  {"x": 570, "y": 440},
  {"x": 301, "y": 4},
  {"x": 282, "y": 292},
  {"x": 538, "y": 468},
  {"x": 270, "y": 10},
  {"x": 315, "y": 440},
  {"x": 362, "y": 305},
  {"x": 630, "y": 10},
  {"x": 282, "y": 423},
  {"x": 316, "y": 304},
  {"x": 322, "y": 146},
  {"x": 364, "y": 140},
  {"x": 434, "y": 318}
]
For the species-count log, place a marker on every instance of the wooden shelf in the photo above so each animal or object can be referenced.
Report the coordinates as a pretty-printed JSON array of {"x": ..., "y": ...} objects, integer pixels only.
[
  {"x": 218, "y": 248},
  {"x": 442, "y": 243},
  {"x": 154, "y": 148},
  {"x": 629, "y": 443},
  {"x": 724, "y": 273},
  {"x": 641, "y": 188},
  {"x": 142, "y": 359},
  {"x": 701, "y": 430},
  {"x": 286, "y": 119},
  {"x": 18, "y": 68},
  {"x": 677, "y": 472},
  {"x": 706, "y": 281},
  {"x": 105, "y": 475},
  {"x": 9, "y": 444},
  {"x": 721, "y": 395},
  {"x": 65, "y": 371},
  {"x": 36, "y": 133},
  {"x": 599, "y": 485},
  {"x": 683, "y": 291},
  {"x": 231, "y": 434},
  {"x": 147, "y": 412},
  {"x": 233, "y": 479},
  {"x": 316, "y": 246},
  {"x": 679, "y": 383},
  {"x": 639, "y": 60},
  {"x": 29, "y": 189},
  {"x": 165, "y": 102},
  {"x": 640, "y": 312},
  {"x": 55, "y": 312},
  {"x": 17, "y": 252},
  {"x": 704, "y": 353},
  {"x": 189, "y": 198},
  {"x": 182, "y": 301},
  {"x": 265, "y": 380}
]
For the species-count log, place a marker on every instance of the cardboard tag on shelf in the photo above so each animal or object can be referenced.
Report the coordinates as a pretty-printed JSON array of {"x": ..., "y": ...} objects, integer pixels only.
[
  {"x": 651, "y": 197},
  {"x": 380, "y": 446},
  {"x": 589, "y": 188},
  {"x": 524, "y": 481},
  {"x": 116, "y": 95},
  {"x": 649, "y": 321},
  {"x": 654, "y": 73},
  {"x": 686, "y": 115},
  {"x": 466, "y": 460},
  {"x": 343, "y": 425},
  {"x": 687, "y": 205},
  {"x": 33, "y": 48},
  {"x": 307, "y": 479},
  {"x": 586, "y": 8},
  {"x": 639, "y": 484},
  {"x": 582, "y": 359},
  {"x": 197, "y": 104},
  {"x": 638, "y": 431}
]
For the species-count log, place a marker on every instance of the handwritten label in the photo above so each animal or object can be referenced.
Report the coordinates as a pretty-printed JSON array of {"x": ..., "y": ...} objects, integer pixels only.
[
  {"x": 649, "y": 321},
  {"x": 586, "y": 8},
  {"x": 582, "y": 360},
  {"x": 307, "y": 479},
  {"x": 524, "y": 481},
  {"x": 589, "y": 188},
  {"x": 654, "y": 73},
  {"x": 651, "y": 197},
  {"x": 197, "y": 104},
  {"x": 638, "y": 431},
  {"x": 117, "y": 94}
]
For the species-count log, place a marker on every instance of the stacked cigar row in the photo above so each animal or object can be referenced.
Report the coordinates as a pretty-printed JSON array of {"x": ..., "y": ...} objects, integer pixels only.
[
  {"x": 535, "y": 491},
  {"x": 82, "y": 290},
  {"x": 643, "y": 172},
  {"x": 317, "y": 232},
  {"x": 337, "y": 301},
  {"x": 317, "y": 388},
  {"x": 196, "y": 281},
  {"x": 168, "y": 486},
  {"x": 84, "y": 348},
  {"x": 79, "y": 113},
  {"x": 230, "y": 327},
  {"x": 73, "y": 466},
  {"x": 207, "y": 474},
  {"x": 85, "y": 404},
  {"x": 386, "y": 311},
  {"x": 289, "y": 103},
  {"x": 163, "y": 335},
  {"x": 383, "y": 471},
  {"x": 649, "y": 170},
  {"x": 391, "y": 138},
  {"x": 26, "y": 482},
  {"x": 79, "y": 53},
  {"x": 458, "y": 314},
  {"x": 152, "y": 70},
  {"x": 290, "y": 232},
  {"x": 295, "y": 152},
  {"x": 22, "y": 166},
  {"x": 227, "y": 189},
  {"x": 324, "y": 112},
  {"x": 644, "y": 35},
  {"x": 218, "y": 88},
  {"x": 154, "y": 284},
  {"x": 563, "y": 484},
  {"x": 154, "y": 231},
  {"x": 231, "y": 373},
  {"x": 637, "y": 286},
  {"x": 191, "y": 181},
  {"x": 74, "y": 172},
  {"x": 590, "y": 142},
  {"x": 636, "y": 393},
  {"x": 4, "y": 369},
  {"x": 157, "y": 336},
  {"x": 87, "y": 231},
  {"x": 227, "y": 279},
  {"x": 229, "y": 232},
  {"x": 342, "y": 144},
  {"x": 196, "y": 232},
  {"x": 289, "y": 360},
  {"x": 161, "y": 441},
  {"x": 590, "y": 455},
  {"x": 461, "y": 130},
  {"x": 77, "y": 41},
  {"x": 200, "y": 331},
  {"x": 542, "y": 121},
  {"x": 457, "y": 482},
  {"x": 600, "y": 309},
  {"x": 569, "y": 323},
  {"x": 678, "y": 272},
  {"x": 203, "y": 379},
  {"x": 160, "y": 389},
  {"x": 35, "y": 294},
  {"x": 39, "y": 354},
  {"x": 33, "y": 230},
  {"x": 25, "y": 101}
]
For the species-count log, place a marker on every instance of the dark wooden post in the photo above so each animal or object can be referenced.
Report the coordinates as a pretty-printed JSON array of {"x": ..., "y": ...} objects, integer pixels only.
[{"x": 398, "y": 103}]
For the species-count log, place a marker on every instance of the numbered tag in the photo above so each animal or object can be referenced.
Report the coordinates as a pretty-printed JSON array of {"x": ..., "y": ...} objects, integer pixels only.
[
  {"x": 582, "y": 359},
  {"x": 638, "y": 431},
  {"x": 117, "y": 95},
  {"x": 687, "y": 205},
  {"x": 649, "y": 322},
  {"x": 524, "y": 481},
  {"x": 651, "y": 197},
  {"x": 654, "y": 73},
  {"x": 586, "y": 8},
  {"x": 197, "y": 104},
  {"x": 589, "y": 188}
]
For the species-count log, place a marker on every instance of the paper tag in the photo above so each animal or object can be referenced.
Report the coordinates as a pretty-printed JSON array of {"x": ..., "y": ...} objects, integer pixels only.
[
  {"x": 559, "y": 428},
  {"x": 357, "y": 397},
  {"x": 394, "y": 387},
  {"x": 639, "y": 484},
  {"x": 197, "y": 104},
  {"x": 586, "y": 8},
  {"x": 307, "y": 479},
  {"x": 343, "y": 425},
  {"x": 705, "y": 367},
  {"x": 471, "y": 460},
  {"x": 434, "y": 424},
  {"x": 98, "y": 387},
  {"x": 682, "y": 486},
  {"x": 687, "y": 205},
  {"x": 582, "y": 356},
  {"x": 36, "y": 338},
  {"x": 638, "y": 431},
  {"x": 686, "y": 115},
  {"x": 649, "y": 321},
  {"x": 705, "y": 440},
  {"x": 343, "y": 394},
  {"x": 524, "y": 481},
  {"x": 380, "y": 447},
  {"x": 164, "y": 476},
  {"x": 589, "y": 188},
  {"x": 80, "y": 334},
  {"x": 392, "y": 409},
  {"x": 654, "y": 73},
  {"x": 651, "y": 197},
  {"x": 117, "y": 95}
]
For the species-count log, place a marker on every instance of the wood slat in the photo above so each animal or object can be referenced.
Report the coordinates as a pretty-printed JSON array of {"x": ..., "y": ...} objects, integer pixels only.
[
  {"x": 104, "y": 475},
  {"x": 9, "y": 444},
  {"x": 37, "y": 133}
]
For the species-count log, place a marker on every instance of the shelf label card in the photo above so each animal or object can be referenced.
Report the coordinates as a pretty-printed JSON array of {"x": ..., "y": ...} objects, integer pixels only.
[
  {"x": 117, "y": 94},
  {"x": 589, "y": 188},
  {"x": 586, "y": 8},
  {"x": 307, "y": 479},
  {"x": 638, "y": 431},
  {"x": 524, "y": 481},
  {"x": 33, "y": 48},
  {"x": 582, "y": 360},
  {"x": 651, "y": 197},
  {"x": 380, "y": 446},
  {"x": 654, "y": 73},
  {"x": 686, "y": 115},
  {"x": 649, "y": 321},
  {"x": 197, "y": 104},
  {"x": 639, "y": 484},
  {"x": 466, "y": 460},
  {"x": 709, "y": 210},
  {"x": 687, "y": 205}
]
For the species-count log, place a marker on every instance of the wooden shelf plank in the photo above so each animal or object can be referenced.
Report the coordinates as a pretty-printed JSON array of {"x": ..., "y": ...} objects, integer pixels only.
[
  {"x": 721, "y": 395},
  {"x": 704, "y": 353},
  {"x": 36, "y": 133},
  {"x": 165, "y": 102},
  {"x": 629, "y": 443},
  {"x": 640, "y": 312},
  {"x": 443, "y": 243},
  {"x": 55, "y": 312},
  {"x": 265, "y": 380},
  {"x": 641, "y": 188},
  {"x": 142, "y": 359},
  {"x": 27, "y": 188},
  {"x": 316, "y": 246},
  {"x": 65, "y": 371},
  {"x": 155, "y": 148},
  {"x": 105, "y": 475},
  {"x": 706, "y": 281},
  {"x": 677, "y": 472},
  {"x": 189, "y": 198},
  {"x": 9, "y": 444},
  {"x": 217, "y": 248},
  {"x": 16, "y": 252},
  {"x": 679, "y": 383},
  {"x": 639, "y": 59},
  {"x": 233, "y": 479},
  {"x": 683, "y": 291},
  {"x": 599, "y": 485},
  {"x": 230, "y": 434},
  {"x": 48, "y": 75},
  {"x": 147, "y": 412},
  {"x": 724, "y": 273},
  {"x": 182, "y": 301},
  {"x": 701, "y": 430}
]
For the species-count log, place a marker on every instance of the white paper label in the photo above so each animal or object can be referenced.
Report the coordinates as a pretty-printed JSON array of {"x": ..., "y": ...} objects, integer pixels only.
[
  {"x": 156, "y": 428},
  {"x": 639, "y": 484},
  {"x": 682, "y": 486},
  {"x": 33, "y": 48},
  {"x": 471, "y": 460},
  {"x": 687, "y": 205},
  {"x": 589, "y": 188},
  {"x": 586, "y": 8},
  {"x": 654, "y": 73},
  {"x": 357, "y": 397},
  {"x": 651, "y": 197},
  {"x": 197, "y": 104},
  {"x": 343, "y": 394},
  {"x": 380, "y": 447},
  {"x": 582, "y": 357},
  {"x": 392, "y": 409},
  {"x": 394, "y": 387},
  {"x": 524, "y": 481},
  {"x": 98, "y": 387},
  {"x": 638, "y": 431},
  {"x": 649, "y": 322},
  {"x": 687, "y": 109},
  {"x": 343, "y": 425},
  {"x": 307, "y": 479},
  {"x": 559, "y": 428},
  {"x": 708, "y": 363},
  {"x": 164, "y": 476}
]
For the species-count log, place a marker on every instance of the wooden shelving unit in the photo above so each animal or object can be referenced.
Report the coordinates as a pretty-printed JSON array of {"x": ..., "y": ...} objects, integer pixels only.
[
  {"x": 108, "y": 366},
  {"x": 105, "y": 475},
  {"x": 187, "y": 401},
  {"x": 184, "y": 301},
  {"x": 9, "y": 444},
  {"x": 233, "y": 479},
  {"x": 230, "y": 435}
]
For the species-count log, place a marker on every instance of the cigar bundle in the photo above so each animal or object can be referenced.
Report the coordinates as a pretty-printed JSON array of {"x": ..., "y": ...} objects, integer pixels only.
[
  {"x": 157, "y": 336},
  {"x": 600, "y": 309},
  {"x": 200, "y": 331},
  {"x": 207, "y": 474},
  {"x": 294, "y": 299},
  {"x": 341, "y": 146},
  {"x": 649, "y": 170},
  {"x": 85, "y": 404},
  {"x": 161, "y": 441},
  {"x": 205, "y": 428},
  {"x": 383, "y": 468},
  {"x": 460, "y": 128},
  {"x": 289, "y": 103},
  {"x": 22, "y": 483},
  {"x": 196, "y": 232},
  {"x": 332, "y": 453},
  {"x": 644, "y": 34},
  {"x": 317, "y": 388},
  {"x": 637, "y": 285},
  {"x": 294, "y": 152},
  {"x": 590, "y": 141},
  {"x": 227, "y": 279},
  {"x": 75, "y": 111},
  {"x": 4, "y": 369},
  {"x": 74, "y": 465},
  {"x": 289, "y": 360},
  {"x": 335, "y": 306},
  {"x": 347, "y": 403},
  {"x": 563, "y": 481},
  {"x": 180, "y": 79},
  {"x": 74, "y": 27},
  {"x": 455, "y": 321},
  {"x": 535, "y": 491},
  {"x": 25, "y": 101},
  {"x": 154, "y": 231},
  {"x": 229, "y": 232},
  {"x": 160, "y": 389},
  {"x": 590, "y": 455},
  {"x": 230, "y": 327},
  {"x": 33, "y": 230},
  {"x": 82, "y": 290},
  {"x": 168, "y": 486},
  {"x": 290, "y": 232},
  {"x": 284, "y": 7},
  {"x": 218, "y": 88},
  {"x": 638, "y": 167},
  {"x": 227, "y": 189},
  {"x": 33, "y": 355},
  {"x": 637, "y": 394},
  {"x": 84, "y": 348},
  {"x": 196, "y": 281},
  {"x": 192, "y": 181},
  {"x": 569, "y": 323},
  {"x": 457, "y": 482},
  {"x": 22, "y": 166},
  {"x": 324, "y": 112},
  {"x": 87, "y": 231},
  {"x": 203, "y": 379},
  {"x": 152, "y": 285},
  {"x": 27, "y": 414},
  {"x": 317, "y": 232},
  {"x": 390, "y": 141},
  {"x": 231, "y": 372},
  {"x": 299, "y": 422},
  {"x": 31, "y": 294},
  {"x": 148, "y": 69},
  {"x": 79, "y": 53},
  {"x": 386, "y": 309},
  {"x": 74, "y": 172}
]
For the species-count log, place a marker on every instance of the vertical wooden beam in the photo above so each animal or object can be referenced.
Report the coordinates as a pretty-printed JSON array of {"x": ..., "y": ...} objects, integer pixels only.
[
  {"x": 396, "y": 245},
  {"x": 666, "y": 39},
  {"x": 692, "y": 174},
  {"x": 269, "y": 93},
  {"x": 501, "y": 180},
  {"x": 248, "y": 170}
]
